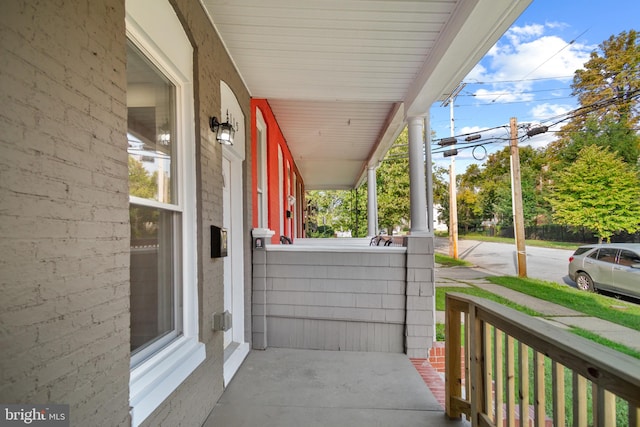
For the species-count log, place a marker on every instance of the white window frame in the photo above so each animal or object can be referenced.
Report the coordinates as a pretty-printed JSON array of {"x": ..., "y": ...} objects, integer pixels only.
[
  {"x": 263, "y": 188},
  {"x": 156, "y": 36}
]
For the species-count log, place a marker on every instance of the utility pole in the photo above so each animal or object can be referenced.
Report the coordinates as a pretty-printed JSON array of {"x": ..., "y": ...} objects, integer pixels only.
[
  {"x": 453, "y": 197},
  {"x": 453, "y": 210},
  {"x": 516, "y": 197}
]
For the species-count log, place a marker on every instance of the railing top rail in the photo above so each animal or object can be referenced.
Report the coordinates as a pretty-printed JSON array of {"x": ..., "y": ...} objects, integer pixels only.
[
  {"x": 608, "y": 368},
  {"x": 336, "y": 248}
]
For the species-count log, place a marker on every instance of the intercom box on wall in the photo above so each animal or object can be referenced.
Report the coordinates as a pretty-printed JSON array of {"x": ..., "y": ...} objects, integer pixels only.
[{"x": 218, "y": 242}]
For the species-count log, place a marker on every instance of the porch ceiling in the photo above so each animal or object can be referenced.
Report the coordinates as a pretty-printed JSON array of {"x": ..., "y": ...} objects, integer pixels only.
[{"x": 342, "y": 75}]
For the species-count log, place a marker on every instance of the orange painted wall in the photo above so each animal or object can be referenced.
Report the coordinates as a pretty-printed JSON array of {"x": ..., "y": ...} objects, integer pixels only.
[{"x": 277, "y": 206}]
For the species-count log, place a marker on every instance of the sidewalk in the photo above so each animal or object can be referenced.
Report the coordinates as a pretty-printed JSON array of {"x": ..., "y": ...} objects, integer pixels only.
[{"x": 553, "y": 313}]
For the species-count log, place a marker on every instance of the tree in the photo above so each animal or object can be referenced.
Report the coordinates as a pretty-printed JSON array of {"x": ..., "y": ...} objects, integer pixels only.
[
  {"x": 393, "y": 186},
  {"x": 599, "y": 192},
  {"x": 494, "y": 186},
  {"x": 322, "y": 211},
  {"x": 612, "y": 73},
  {"x": 606, "y": 134},
  {"x": 142, "y": 184}
]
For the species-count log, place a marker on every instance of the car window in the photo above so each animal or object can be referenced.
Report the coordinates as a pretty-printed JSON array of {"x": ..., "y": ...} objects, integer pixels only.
[
  {"x": 628, "y": 258},
  {"x": 607, "y": 255},
  {"x": 581, "y": 250}
]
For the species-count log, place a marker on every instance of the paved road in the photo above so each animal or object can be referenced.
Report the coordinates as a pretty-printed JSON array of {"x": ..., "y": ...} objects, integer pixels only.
[{"x": 500, "y": 259}]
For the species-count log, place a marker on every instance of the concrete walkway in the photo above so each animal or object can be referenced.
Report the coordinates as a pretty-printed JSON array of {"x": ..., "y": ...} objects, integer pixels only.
[
  {"x": 554, "y": 313},
  {"x": 284, "y": 387}
]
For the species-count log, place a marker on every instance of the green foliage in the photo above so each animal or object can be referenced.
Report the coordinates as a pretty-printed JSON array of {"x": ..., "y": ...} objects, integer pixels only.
[
  {"x": 141, "y": 182},
  {"x": 393, "y": 186},
  {"x": 613, "y": 71},
  {"x": 336, "y": 210},
  {"x": 598, "y": 191},
  {"x": 347, "y": 210},
  {"x": 145, "y": 185},
  {"x": 485, "y": 194},
  {"x": 607, "y": 134}
]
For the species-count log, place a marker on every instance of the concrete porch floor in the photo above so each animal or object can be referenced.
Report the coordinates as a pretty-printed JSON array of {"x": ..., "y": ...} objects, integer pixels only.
[{"x": 284, "y": 387}]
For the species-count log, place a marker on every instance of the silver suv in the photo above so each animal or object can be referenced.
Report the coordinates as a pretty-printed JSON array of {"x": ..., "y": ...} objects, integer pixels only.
[{"x": 613, "y": 267}]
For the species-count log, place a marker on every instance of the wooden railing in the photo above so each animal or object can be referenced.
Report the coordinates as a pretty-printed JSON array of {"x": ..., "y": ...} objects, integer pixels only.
[{"x": 522, "y": 371}]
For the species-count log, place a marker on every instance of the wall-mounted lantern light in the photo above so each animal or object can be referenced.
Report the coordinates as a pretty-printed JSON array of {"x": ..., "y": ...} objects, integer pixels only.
[{"x": 224, "y": 131}]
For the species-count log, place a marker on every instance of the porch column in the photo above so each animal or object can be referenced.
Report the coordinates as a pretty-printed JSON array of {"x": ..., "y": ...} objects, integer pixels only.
[
  {"x": 417, "y": 190},
  {"x": 428, "y": 166},
  {"x": 372, "y": 202}
]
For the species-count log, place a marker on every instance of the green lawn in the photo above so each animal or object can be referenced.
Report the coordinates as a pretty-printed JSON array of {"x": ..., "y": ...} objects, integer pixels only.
[
  {"x": 474, "y": 291},
  {"x": 600, "y": 306},
  {"x": 613, "y": 310},
  {"x": 450, "y": 262},
  {"x": 592, "y": 304}
]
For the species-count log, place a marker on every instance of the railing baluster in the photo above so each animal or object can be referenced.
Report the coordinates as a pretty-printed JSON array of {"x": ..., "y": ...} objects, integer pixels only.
[
  {"x": 559, "y": 418},
  {"x": 579, "y": 400},
  {"x": 511, "y": 382},
  {"x": 523, "y": 360},
  {"x": 604, "y": 407},
  {"x": 634, "y": 416},
  {"x": 467, "y": 358},
  {"x": 538, "y": 373},
  {"x": 609, "y": 409},
  {"x": 453, "y": 380},
  {"x": 499, "y": 373},
  {"x": 613, "y": 377},
  {"x": 476, "y": 371},
  {"x": 488, "y": 366}
]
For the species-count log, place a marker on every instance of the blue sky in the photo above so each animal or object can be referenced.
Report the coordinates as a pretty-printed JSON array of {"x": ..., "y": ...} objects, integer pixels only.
[{"x": 528, "y": 73}]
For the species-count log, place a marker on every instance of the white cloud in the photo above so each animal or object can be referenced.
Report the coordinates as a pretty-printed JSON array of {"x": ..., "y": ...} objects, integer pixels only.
[
  {"x": 526, "y": 54},
  {"x": 545, "y": 111}
]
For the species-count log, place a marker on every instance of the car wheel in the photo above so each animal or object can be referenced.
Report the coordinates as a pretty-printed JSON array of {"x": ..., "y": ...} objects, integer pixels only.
[{"x": 584, "y": 282}]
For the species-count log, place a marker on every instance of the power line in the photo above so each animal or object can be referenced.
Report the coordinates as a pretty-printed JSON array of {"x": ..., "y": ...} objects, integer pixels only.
[
  {"x": 469, "y": 94},
  {"x": 520, "y": 80},
  {"x": 489, "y": 104},
  {"x": 553, "y": 121}
]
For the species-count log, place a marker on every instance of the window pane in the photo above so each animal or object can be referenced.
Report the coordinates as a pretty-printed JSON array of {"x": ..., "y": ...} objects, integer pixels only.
[
  {"x": 152, "y": 274},
  {"x": 151, "y": 121},
  {"x": 629, "y": 258},
  {"x": 607, "y": 255},
  {"x": 155, "y": 232}
]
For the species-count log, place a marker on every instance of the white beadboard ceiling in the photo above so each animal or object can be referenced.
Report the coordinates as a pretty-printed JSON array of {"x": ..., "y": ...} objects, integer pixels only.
[{"x": 342, "y": 76}]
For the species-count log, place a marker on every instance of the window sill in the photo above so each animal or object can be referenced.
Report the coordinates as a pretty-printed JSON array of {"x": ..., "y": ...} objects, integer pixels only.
[{"x": 155, "y": 379}]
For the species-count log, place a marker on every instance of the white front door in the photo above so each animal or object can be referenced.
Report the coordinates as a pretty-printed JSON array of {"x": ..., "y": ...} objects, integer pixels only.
[
  {"x": 226, "y": 223},
  {"x": 235, "y": 346}
]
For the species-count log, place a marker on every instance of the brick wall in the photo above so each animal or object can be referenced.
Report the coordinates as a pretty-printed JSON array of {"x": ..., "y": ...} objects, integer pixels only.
[
  {"x": 64, "y": 317},
  {"x": 64, "y": 218}
]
